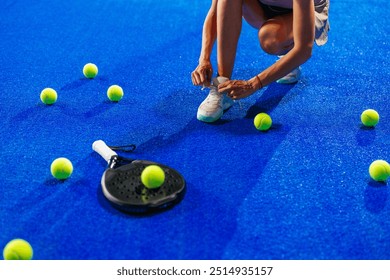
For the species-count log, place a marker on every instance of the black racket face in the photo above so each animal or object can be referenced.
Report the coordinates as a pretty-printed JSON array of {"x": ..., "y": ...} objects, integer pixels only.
[{"x": 122, "y": 186}]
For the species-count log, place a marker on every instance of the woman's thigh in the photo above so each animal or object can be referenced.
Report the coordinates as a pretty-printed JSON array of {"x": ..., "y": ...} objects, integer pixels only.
[{"x": 253, "y": 13}]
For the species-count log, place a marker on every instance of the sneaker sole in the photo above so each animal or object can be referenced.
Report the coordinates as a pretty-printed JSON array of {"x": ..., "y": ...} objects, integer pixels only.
[
  {"x": 287, "y": 81},
  {"x": 226, "y": 106},
  {"x": 207, "y": 119}
]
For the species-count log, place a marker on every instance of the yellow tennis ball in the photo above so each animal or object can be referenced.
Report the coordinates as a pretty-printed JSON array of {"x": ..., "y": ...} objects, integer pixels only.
[
  {"x": 379, "y": 170},
  {"x": 262, "y": 121},
  {"x": 48, "y": 96},
  {"x": 61, "y": 168},
  {"x": 18, "y": 249},
  {"x": 115, "y": 93},
  {"x": 369, "y": 117},
  {"x": 90, "y": 70},
  {"x": 153, "y": 176}
]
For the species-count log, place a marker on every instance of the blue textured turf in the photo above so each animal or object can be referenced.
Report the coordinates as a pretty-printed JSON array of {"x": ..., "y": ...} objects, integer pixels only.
[{"x": 299, "y": 191}]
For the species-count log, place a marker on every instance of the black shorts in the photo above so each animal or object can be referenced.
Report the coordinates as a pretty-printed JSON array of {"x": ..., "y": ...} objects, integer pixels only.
[{"x": 272, "y": 11}]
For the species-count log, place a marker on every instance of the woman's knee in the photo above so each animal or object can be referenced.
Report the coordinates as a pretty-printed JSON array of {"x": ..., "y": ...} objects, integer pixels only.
[{"x": 274, "y": 38}]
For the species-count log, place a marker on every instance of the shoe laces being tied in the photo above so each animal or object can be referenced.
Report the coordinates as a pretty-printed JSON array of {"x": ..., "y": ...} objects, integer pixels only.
[
  {"x": 241, "y": 85},
  {"x": 214, "y": 99},
  {"x": 214, "y": 96}
]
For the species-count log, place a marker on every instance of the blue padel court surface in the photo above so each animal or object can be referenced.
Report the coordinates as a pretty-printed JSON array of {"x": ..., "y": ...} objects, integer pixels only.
[{"x": 298, "y": 191}]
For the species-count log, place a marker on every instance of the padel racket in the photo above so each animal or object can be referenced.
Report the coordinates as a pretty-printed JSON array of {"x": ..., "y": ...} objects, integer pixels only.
[{"x": 122, "y": 186}]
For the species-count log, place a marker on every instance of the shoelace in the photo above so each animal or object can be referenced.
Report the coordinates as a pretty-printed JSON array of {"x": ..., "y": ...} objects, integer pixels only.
[
  {"x": 217, "y": 95},
  {"x": 214, "y": 97}
]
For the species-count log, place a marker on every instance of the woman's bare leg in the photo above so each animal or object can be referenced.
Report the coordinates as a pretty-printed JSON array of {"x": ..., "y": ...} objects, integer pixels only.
[
  {"x": 229, "y": 23},
  {"x": 276, "y": 35},
  {"x": 253, "y": 13}
]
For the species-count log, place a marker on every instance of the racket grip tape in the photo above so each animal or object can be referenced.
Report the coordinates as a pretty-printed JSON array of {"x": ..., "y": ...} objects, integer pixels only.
[{"x": 102, "y": 149}]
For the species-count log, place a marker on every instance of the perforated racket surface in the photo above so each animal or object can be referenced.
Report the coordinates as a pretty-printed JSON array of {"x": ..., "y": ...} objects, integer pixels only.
[{"x": 122, "y": 186}]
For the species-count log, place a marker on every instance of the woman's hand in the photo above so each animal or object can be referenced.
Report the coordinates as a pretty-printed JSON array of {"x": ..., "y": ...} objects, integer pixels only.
[
  {"x": 202, "y": 74},
  {"x": 237, "y": 89}
]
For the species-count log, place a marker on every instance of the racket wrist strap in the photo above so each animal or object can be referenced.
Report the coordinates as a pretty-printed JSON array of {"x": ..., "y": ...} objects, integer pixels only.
[{"x": 124, "y": 148}]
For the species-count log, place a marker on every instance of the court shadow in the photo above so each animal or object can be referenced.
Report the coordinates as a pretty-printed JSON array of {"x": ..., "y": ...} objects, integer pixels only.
[
  {"x": 26, "y": 114},
  {"x": 75, "y": 84},
  {"x": 269, "y": 100},
  {"x": 83, "y": 81},
  {"x": 51, "y": 182},
  {"x": 97, "y": 110},
  {"x": 365, "y": 136},
  {"x": 154, "y": 143},
  {"x": 376, "y": 196},
  {"x": 219, "y": 176},
  {"x": 221, "y": 164},
  {"x": 38, "y": 109},
  {"x": 106, "y": 205},
  {"x": 219, "y": 122}
]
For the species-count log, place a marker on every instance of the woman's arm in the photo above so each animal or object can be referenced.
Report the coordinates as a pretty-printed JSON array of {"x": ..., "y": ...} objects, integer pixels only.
[
  {"x": 209, "y": 33},
  {"x": 203, "y": 73},
  {"x": 303, "y": 32}
]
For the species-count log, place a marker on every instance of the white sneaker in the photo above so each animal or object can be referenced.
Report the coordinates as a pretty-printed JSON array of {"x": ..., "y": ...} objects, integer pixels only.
[
  {"x": 212, "y": 108},
  {"x": 291, "y": 77}
]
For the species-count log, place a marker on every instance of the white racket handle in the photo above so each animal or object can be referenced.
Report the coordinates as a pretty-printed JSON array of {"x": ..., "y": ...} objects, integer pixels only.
[{"x": 102, "y": 149}]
